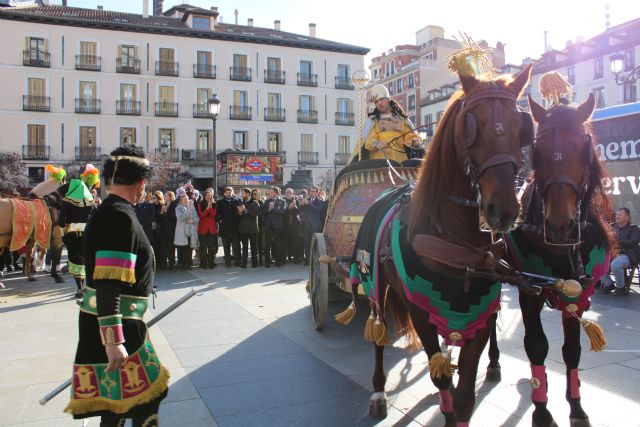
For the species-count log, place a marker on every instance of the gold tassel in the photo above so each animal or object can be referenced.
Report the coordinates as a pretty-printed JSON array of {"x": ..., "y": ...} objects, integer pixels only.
[
  {"x": 440, "y": 364},
  {"x": 347, "y": 315},
  {"x": 597, "y": 338},
  {"x": 382, "y": 334},
  {"x": 368, "y": 329}
]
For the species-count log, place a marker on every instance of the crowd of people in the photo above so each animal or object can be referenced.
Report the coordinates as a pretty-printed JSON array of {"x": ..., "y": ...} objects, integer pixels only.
[{"x": 186, "y": 227}]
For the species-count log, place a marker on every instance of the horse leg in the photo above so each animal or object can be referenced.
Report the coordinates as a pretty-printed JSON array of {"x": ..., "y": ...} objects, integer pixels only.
[
  {"x": 494, "y": 374},
  {"x": 56, "y": 254},
  {"x": 378, "y": 402},
  {"x": 28, "y": 259},
  {"x": 464, "y": 395},
  {"x": 536, "y": 347},
  {"x": 571, "y": 354}
]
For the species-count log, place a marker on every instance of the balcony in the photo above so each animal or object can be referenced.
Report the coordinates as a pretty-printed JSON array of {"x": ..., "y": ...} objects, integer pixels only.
[
  {"x": 166, "y": 109},
  {"x": 202, "y": 156},
  {"x": 342, "y": 159},
  {"x": 87, "y": 154},
  {"x": 36, "y": 152},
  {"x": 307, "y": 116},
  {"x": 344, "y": 83},
  {"x": 87, "y": 105},
  {"x": 308, "y": 158},
  {"x": 239, "y": 112},
  {"x": 35, "y": 58},
  {"x": 310, "y": 80},
  {"x": 274, "y": 76},
  {"x": 274, "y": 114},
  {"x": 88, "y": 62},
  {"x": 201, "y": 111},
  {"x": 166, "y": 68},
  {"x": 345, "y": 119},
  {"x": 127, "y": 107},
  {"x": 204, "y": 71},
  {"x": 36, "y": 103},
  {"x": 128, "y": 65},
  {"x": 242, "y": 74},
  {"x": 170, "y": 154}
]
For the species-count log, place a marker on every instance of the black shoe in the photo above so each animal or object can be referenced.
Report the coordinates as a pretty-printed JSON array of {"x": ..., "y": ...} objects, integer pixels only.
[
  {"x": 607, "y": 289},
  {"x": 621, "y": 291},
  {"x": 79, "y": 294}
]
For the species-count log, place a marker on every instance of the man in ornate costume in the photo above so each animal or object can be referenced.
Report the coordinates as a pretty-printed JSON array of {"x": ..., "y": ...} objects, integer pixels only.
[
  {"x": 388, "y": 131},
  {"x": 116, "y": 373},
  {"x": 77, "y": 206}
]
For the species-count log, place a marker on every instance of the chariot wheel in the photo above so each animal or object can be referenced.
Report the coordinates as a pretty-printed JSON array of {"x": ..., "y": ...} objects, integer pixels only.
[{"x": 318, "y": 281}]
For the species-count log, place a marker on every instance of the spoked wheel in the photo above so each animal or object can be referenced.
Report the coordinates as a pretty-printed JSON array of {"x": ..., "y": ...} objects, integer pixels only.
[{"x": 318, "y": 281}]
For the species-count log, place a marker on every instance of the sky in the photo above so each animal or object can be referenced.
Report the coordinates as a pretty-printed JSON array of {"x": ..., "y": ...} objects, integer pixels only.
[{"x": 381, "y": 26}]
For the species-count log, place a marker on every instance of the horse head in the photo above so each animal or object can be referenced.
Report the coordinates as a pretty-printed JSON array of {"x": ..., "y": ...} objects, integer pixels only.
[
  {"x": 563, "y": 162},
  {"x": 490, "y": 132}
]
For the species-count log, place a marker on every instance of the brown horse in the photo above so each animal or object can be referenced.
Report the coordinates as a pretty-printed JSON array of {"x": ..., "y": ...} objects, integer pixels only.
[
  {"x": 430, "y": 239},
  {"x": 562, "y": 235}
]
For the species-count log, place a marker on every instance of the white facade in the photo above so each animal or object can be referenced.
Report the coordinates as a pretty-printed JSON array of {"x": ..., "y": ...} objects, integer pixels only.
[{"x": 63, "y": 128}]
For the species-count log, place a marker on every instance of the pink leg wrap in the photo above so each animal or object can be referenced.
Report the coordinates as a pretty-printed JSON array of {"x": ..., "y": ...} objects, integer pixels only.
[
  {"x": 446, "y": 402},
  {"x": 538, "y": 384},
  {"x": 462, "y": 424},
  {"x": 574, "y": 384}
]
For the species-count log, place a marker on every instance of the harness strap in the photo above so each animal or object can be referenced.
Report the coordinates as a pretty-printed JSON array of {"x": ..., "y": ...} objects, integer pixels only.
[
  {"x": 457, "y": 256},
  {"x": 462, "y": 201}
]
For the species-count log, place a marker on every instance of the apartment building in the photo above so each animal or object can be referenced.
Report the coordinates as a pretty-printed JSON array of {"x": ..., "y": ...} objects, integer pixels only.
[{"x": 79, "y": 82}]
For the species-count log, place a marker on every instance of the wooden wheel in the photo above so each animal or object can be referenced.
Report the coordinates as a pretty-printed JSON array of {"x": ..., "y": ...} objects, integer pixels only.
[{"x": 318, "y": 281}]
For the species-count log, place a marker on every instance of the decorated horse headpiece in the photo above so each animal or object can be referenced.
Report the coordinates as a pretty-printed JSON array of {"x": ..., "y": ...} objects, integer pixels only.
[
  {"x": 90, "y": 176},
  {"x": 56, "y": 174}
]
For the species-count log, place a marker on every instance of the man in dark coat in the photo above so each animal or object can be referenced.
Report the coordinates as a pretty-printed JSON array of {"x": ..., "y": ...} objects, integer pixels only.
[
  {"x": 228, "y": 218},
  {"x": 249, "y": 211},
  {"x": 628, "y": 237},
  {"x": 313, "y": 209},
  {"x": 273, "y": 211},
  {"x": 292, "y": 228}
]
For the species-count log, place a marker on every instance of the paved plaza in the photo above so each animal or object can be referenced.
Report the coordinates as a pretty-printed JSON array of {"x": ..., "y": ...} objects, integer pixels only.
[{"x": 244, "y": 353}]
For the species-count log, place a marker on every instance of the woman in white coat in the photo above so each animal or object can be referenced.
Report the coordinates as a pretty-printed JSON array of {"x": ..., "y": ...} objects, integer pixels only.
[{"x": 186, "y": 234}]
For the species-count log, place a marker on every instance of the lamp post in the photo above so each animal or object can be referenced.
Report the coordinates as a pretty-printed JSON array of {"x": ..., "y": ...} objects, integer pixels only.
[
  {"x": 214, "y": 109},
  {"x": 617, "y": 64}
]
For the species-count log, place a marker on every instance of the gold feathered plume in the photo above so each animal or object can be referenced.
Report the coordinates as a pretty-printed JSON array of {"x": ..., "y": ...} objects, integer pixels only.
[
  {"x": 554, "y": 86},
  {"x": 471, "y": 59}
]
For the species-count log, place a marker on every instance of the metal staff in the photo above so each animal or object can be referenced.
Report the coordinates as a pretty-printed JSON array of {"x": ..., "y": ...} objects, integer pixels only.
[{"x": 56, "y": 391}]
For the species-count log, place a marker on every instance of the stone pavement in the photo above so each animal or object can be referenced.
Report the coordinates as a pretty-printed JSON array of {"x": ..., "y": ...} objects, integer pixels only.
[{"x": 244, "y": 353}]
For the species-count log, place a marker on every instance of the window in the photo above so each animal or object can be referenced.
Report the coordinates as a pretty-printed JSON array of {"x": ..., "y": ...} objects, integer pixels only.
[
  {"x": 412, "y": 102},
  {"x": 629, "y": 92},
  {"x": 629, "y": 60},
  {"x": 167, "y": 138},
  {"x": 204, "y": 61},
  {"x": 37, "y": 49},
  {"x": 393, "y": 67},
  {"x": 599, "y": 94},
  {"x": 37, "y": 88},
  {"x": 428, "y": 120},
  {"x": 240, "y": 69},
  {"x": 343, "y": 72},
  {"x": 87, "y": 138},
  {"x": 36, "y": 139},
  {"x": 305, "y": 70},
  {"x": 344, "y": 144},
  {"x": 201, "y": 23},
  {"x": 306, "y": 103},
  {"x": 88, "y": 52},
  {"x": 439, "y": 116},
  {"x": 390, "y": 88},
  {"x": 410, "y": 83},
  {"x": 202, "y": 95},
  {"x": 571, "y": 75},
  {"x": 399, "y": 85},
  {"x": 344, "y": 105},
  {"x": 128, "y": 92},
  {"x": 240, "y": 98},
  {"x": 127, "y": 55},
  {"x": 306, "y": 143},
  {"x": 274, "y": 65},
  {"x": 240, "y": 139},
  {"x": 87, "y": 90},
  {"x": 128, "y": 136},
  {"x": 36, "y": 174},
  {"x": 412, "y": 119},
  {"x": 274, "y": 139},
  {"x": 203, "y": 140},
  {"x": 598, "y": 69}
]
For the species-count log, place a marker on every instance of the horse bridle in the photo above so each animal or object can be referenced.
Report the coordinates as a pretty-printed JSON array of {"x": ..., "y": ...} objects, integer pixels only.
[{"x": 580, "y": 188}]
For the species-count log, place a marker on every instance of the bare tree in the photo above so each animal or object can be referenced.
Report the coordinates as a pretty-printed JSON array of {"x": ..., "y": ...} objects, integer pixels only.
[
  {"x": 12, "y": 172},
  {"x": 168, "y": 175}
]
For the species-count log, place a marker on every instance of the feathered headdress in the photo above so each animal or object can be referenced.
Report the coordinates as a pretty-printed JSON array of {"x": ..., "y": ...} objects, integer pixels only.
[
  {"x": 471, "y": 59},
  {"x": 56, "y": 174},
  {"x": 554, "y": 86},
  {"x": 90, "y": 176}
]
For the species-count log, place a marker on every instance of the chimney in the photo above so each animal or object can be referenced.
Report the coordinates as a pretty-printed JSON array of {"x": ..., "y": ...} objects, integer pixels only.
[
  {"x": 100, "y": 7},
  {"x": 157, "y": 8},
  {"x": 250, "y": 22},
  {"x": 145, "y": 8},
  {"x": 235, "y": 12},
  {"x": 312, "y": 30},
  {"x": 64, "y": 3},
  {"x": 276, "y": 25}
]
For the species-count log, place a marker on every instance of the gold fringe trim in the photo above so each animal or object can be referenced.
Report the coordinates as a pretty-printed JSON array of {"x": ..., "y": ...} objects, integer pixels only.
[
  {"x": 83, "y": 406},
  {"x": 114, "y": 273},
  {"x": 347, "y": 315},
  {"x": 368, "y": 329},
  {"x": 597, "y": 338},
  {"x": 440, "y": 365}
]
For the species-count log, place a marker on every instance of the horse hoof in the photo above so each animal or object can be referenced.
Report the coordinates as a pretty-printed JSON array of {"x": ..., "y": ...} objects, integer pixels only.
[
  {"x": 59, "y": 279},
  {"x": 378, "y": 406},
  {"x": 494, "y": 375},
  {"x": 579, "y": 422}
]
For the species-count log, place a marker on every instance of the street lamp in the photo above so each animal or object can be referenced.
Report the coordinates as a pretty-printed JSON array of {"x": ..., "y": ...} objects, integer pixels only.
[
  {"x": 617, "y": 64},
  {"x": 214, "y": 109}
]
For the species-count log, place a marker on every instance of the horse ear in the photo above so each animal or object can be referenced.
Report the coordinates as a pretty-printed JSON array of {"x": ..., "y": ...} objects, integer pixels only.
[
  {"x": 586, "y": 108},
  {"x": 537, "y": 111},
  {"x": 467, "y": 81},
  {"x": 520, "y": 80}
]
